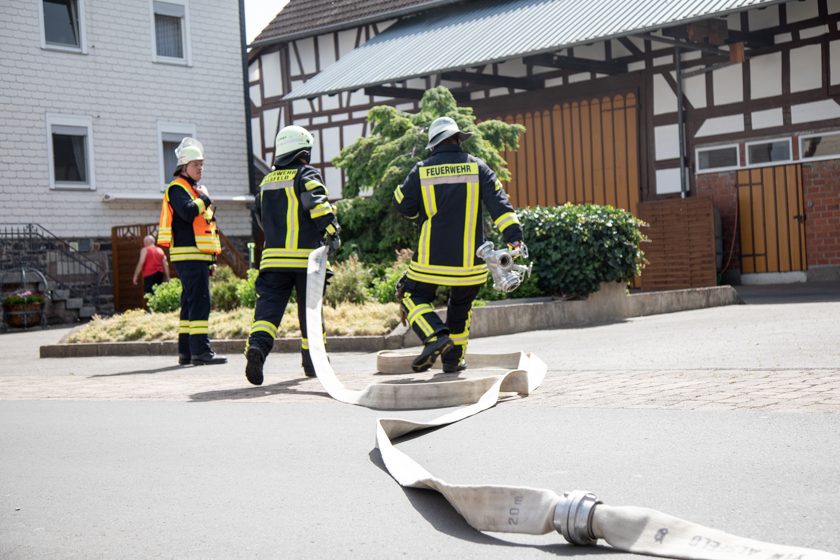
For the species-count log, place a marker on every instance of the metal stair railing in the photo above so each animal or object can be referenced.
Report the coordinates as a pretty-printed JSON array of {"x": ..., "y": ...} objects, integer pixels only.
[{"x": 32, "y": 245}]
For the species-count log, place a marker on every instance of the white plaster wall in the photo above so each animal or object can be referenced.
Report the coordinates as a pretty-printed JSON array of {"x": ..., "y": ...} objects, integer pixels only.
[
  {"x": 125, "y": 94},
  {"x": 768, "y": 118},
  {"x": 331, "y": 143},
  {"x": 694, "y": 89},
  {"x": 664, "y": 99},
  {"x": 721, "y": 125},
  {"x": 272, "y": 76},
  {"x": 668, "y": 181},
  {"x": 764, "y": 17},
  {"x": 270, "y": 120},
  {"x": 728, "y": 85},
  {"x": 805, "y": 68},
  {"x": 513, "y": 67},
  {"x": 326, "y": 50},
  {"x": 766, "y": 75},
  {"x": 801, "y": 10},
  {"x": 816, "y": 111},
  {"x": 667, "y": 141},
  {"x": 306, "y": 51},
  {"x": 254, "y": 94},
  {"x": 595, "y": 51},
  {"x": 347, "y": 41}
]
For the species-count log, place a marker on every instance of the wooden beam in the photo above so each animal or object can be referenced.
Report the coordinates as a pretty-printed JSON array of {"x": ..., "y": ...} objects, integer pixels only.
[
  {"x": 684, "y": 44},
  {"x": 408, "y": 93},
  {"x": 494, "y": 80},
  {"x": 575, "y": 63},
  {"x": 752, "y": 39}
]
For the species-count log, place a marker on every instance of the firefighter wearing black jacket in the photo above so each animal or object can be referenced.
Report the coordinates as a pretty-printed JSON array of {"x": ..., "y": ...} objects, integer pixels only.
[
  {"x": 446, "y": 192},
  {"x": 294, "y": 213},
  {"x": 188, "y": 227}
]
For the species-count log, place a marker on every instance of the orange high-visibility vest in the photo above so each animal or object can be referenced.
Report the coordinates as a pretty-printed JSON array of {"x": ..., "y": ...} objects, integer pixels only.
[{"x": 204, "y": 227}]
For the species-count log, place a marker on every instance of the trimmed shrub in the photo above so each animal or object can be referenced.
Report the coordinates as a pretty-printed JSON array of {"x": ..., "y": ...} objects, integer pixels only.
[
  {"x": 223, "y": 289},
  {"x": 165, "y": 297},
  {"x": 577, "y": 247}
]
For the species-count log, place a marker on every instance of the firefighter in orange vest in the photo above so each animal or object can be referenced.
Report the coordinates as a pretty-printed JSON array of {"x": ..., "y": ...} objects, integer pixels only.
[
  {"x": 446, "y": 192},
  {"x": 188, "y": 227},
  {"x": 296, "y": 216}
]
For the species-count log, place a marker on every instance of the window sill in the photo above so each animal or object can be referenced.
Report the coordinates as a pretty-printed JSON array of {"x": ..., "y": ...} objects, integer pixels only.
[
  {"x": 63, "y": 48},
  {"x": 171, "y": 61},
  {"x": 145, "y": 197},
  {"x": 72, "y": 187}
]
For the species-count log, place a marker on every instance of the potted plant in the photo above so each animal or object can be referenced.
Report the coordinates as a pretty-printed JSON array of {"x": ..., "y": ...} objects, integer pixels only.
[{"x": 23, "y": 308}]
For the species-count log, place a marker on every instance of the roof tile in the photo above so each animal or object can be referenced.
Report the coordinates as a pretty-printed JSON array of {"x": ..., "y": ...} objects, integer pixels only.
[{"x": 300, "y": 16}]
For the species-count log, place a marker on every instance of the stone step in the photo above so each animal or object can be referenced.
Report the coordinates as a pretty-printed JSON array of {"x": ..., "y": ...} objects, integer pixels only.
[
  {"x": 87, "y": 311},
  {"x": 74, "y": 303},
  {"x": 60, "y": 294}
]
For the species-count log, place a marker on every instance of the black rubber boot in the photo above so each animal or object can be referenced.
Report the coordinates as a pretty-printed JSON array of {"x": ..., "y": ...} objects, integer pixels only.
[
  {"x": 254, "y": 360},
  {"x": 430, "y": 353}
]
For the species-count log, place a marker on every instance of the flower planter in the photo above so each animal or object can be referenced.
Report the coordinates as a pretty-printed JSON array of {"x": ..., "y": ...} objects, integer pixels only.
[{"x": 22, "y": 315}]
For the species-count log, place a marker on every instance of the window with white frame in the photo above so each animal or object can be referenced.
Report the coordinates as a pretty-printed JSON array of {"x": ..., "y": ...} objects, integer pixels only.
[
  {"x": 768, "y": 152},
  {"x": 70, "y": 152},
  {"x": 171, "y": 31},
  {"x": 62, "y": 25},
  {"x": 717, "y": 158},
  {"x": 820, "y": 146},
  {"x": 169, "y": 136}
]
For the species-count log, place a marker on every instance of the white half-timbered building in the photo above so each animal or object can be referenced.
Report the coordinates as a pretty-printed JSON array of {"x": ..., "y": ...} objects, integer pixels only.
[{"x": 597, "y": 85}]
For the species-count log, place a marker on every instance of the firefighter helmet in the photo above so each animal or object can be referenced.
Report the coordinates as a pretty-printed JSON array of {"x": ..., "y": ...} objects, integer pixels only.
[
  {"x": 189, "y": 150},
  {"x": 441, "y": 129},
  {"x": 291, "y": 142}
]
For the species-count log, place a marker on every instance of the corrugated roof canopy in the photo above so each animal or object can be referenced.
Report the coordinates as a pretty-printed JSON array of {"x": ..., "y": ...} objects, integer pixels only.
[{"x": 477, "y": 33}]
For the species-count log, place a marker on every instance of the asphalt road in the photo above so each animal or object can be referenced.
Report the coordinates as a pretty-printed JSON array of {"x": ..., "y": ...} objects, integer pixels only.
[{"x": 728, "y": 417}]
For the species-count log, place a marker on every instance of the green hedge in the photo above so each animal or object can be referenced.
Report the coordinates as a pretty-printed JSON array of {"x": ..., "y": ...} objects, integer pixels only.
[{"x": 575, "y": 248}]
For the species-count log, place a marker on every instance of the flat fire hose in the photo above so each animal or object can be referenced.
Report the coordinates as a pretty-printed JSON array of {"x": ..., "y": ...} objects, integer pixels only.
[{"x": 578, "y": 516}]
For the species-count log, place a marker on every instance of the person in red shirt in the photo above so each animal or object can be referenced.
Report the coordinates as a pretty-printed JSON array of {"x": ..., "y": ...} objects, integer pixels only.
[{"x": 153, "y": 264}]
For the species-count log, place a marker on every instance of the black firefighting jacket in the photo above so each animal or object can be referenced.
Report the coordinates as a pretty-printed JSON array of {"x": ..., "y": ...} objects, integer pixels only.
[
  {"x": 446, "y": 191},
  {"x": 295, "y": 215}
]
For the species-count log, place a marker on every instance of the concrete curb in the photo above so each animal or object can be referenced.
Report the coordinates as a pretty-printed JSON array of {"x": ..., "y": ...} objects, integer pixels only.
[{"x": 608, "y": 305}]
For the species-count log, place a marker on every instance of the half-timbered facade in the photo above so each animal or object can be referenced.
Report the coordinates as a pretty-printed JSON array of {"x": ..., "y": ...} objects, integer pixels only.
[{"x": 758, "y": 128}]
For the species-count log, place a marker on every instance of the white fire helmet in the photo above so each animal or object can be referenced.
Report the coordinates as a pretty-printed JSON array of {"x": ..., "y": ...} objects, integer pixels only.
[
  {"x": 189, "y": 150},
  {"x": 291, "y": 141},
  {"x": 441, "y": 129}
]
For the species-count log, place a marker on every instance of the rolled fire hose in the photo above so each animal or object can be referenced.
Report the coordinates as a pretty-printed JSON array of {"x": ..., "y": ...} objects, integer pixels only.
[{"x": 579, "y": 516}]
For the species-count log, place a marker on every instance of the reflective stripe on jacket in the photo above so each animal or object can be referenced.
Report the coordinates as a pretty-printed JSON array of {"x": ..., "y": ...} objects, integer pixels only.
[
  {"x": 295, "y": 215},
  {"x": 446, "y": 192},
  {"x": 204, "y": 242}
]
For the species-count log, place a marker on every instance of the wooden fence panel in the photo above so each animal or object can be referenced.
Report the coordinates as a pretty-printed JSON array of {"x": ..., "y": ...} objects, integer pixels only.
[{"x": 681, "y": 252}]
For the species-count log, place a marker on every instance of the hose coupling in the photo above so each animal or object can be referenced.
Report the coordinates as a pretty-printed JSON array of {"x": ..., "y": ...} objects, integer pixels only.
[{"x": 573, "y": 516}]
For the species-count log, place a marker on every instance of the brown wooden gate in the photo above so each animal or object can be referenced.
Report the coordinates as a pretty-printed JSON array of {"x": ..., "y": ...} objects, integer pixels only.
[
  {"x": 126, "y": 242},
  {"x": 771, "y": 214},
  {"x": 578, "y": 151}
]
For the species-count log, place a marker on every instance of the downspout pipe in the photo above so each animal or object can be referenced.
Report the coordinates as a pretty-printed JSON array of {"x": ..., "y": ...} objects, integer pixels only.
[
  {"x": 680, "y": 121},
  {"x": 247, "y": 98}
]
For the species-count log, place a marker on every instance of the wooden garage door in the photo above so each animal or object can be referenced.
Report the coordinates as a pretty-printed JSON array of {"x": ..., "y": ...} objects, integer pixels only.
[
  {"x": 771, "y": 219},
  {"x": 578, "y": 151}
]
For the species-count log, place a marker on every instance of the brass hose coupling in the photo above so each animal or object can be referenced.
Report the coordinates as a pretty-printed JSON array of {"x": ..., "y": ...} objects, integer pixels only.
[{"x": 573, "y": 516}]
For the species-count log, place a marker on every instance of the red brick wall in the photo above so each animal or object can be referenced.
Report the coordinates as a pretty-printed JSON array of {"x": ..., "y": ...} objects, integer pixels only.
[
  {"x": 721, "y": 187},
  {"x": 821, "y": 190}
]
